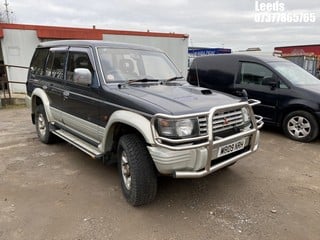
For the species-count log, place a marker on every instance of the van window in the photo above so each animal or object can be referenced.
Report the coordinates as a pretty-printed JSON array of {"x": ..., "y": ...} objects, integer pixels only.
[
  {"x": 55, "y": 65},
  {"x": 38, "y": 62},
  {"x": 253, "y": 73}
]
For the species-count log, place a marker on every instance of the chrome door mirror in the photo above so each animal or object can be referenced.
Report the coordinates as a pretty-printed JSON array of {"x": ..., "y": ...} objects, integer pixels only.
[{"x": 82, "y": 76}]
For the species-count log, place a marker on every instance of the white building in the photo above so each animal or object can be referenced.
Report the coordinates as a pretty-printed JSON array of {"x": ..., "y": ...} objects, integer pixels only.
[{"x": 19, "y": 41}]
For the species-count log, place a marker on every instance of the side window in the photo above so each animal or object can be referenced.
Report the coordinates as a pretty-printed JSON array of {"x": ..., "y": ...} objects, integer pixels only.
[
  {"x": 55, "y": 65},
  {"x": 38, "y": 62},
  {"x": 252, "y": 73},
  {"x": 78, "y": 60}
]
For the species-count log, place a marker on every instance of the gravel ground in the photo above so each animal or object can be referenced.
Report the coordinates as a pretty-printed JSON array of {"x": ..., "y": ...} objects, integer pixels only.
[{"x": 56, "y": 192}]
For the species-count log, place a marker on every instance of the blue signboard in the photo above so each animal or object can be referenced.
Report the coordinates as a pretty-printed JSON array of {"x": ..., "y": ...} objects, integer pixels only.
[{"x": 194, "y": 52}]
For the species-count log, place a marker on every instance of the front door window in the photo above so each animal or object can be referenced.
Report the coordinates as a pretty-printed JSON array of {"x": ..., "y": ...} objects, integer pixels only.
[{"x": 252, "y": 73}]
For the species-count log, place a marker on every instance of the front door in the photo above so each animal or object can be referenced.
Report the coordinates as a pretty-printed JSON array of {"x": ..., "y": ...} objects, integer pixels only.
[
  {"x": 255, "y": 79},
  {"x": 81, "y": 102}
]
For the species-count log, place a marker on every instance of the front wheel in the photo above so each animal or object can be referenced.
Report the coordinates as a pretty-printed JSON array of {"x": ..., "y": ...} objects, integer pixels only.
[
  {"x": 300, "y": 126},
  {"x": 137, "y": 171}
]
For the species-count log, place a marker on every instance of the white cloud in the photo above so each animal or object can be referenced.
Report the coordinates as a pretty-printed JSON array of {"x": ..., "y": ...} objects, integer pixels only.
[{"x": 209, "y": 23}]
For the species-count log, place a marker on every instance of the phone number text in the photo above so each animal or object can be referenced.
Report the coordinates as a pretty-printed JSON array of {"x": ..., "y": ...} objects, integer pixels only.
[{"x": 276, "y": 17}]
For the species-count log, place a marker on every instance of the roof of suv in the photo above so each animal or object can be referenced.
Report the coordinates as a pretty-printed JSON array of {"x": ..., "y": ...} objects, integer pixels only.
[{"x": 95, "y": 43}]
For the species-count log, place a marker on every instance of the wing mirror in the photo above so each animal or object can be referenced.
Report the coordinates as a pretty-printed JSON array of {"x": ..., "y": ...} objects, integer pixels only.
[
  {"x": 269, "y": 81},
  {"x": 82, "y": 76}
]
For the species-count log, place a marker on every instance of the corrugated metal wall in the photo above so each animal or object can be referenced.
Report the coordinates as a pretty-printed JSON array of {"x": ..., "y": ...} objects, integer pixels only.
[{"x": 17, "y": 49}]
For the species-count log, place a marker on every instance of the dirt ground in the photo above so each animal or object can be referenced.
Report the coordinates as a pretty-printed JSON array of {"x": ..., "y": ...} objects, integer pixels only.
[{"x": 56, "y": 192}]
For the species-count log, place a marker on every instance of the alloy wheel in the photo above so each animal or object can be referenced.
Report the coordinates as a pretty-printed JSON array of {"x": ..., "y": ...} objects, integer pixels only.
[
  {"x": 125, "y": 170},
  {"x": 299, "y": 126}
]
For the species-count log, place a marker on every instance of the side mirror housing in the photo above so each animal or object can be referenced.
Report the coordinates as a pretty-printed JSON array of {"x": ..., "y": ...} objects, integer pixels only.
[
  {"x": 82, "y": 76},
  {"x": 269, "y": 81}
]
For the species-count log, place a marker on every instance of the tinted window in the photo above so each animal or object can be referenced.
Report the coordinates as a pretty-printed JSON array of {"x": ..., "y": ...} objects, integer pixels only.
[
  {"x": 38, "y": 62},
  {"x": 252, "y": 73},
  {"x": 55, "y": 65}
]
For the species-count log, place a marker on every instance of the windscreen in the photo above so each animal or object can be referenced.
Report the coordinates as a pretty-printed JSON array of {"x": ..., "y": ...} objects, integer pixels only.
[
  {"x": 130, "y": 64},
  {"x": 295, "y": 74}
]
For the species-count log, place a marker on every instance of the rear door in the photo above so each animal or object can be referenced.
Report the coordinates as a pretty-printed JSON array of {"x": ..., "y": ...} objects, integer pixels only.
[{"x": 53, "y": 79}]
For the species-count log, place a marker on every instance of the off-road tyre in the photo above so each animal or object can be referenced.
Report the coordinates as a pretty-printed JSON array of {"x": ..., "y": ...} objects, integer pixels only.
[{"x": 137, "y": 171}]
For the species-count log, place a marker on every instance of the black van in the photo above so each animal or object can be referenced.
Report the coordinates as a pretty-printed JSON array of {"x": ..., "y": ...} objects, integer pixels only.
[{"x": 289, "y": 95}]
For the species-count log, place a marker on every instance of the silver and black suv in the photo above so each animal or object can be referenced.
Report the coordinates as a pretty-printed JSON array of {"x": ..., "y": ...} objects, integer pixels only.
[{"x": 129, "y": 104}]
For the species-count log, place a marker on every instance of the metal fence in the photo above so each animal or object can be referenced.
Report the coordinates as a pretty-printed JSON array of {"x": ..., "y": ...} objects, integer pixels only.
[{"x": 5, "y": 83}]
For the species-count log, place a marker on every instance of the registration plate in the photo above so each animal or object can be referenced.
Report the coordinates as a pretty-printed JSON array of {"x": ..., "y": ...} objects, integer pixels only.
[{"x": 231, "y": 147}]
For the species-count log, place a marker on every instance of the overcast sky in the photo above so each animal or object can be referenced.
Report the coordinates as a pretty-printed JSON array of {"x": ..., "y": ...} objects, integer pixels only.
[{"x": 209, "y": 23}]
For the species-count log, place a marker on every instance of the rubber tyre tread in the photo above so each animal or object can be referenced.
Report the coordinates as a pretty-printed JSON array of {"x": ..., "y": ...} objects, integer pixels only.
[
  {"x": 49, "y": 137},
  {"x": 143, "y": 173},
  {"x": 313, "y": 122}
]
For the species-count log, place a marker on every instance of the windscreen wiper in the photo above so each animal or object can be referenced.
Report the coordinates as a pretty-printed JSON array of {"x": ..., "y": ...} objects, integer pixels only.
[
  {"x": 137, "y": 80},
  {"x": 173, "y": 78},
  {"x": 142, "y": 80}
]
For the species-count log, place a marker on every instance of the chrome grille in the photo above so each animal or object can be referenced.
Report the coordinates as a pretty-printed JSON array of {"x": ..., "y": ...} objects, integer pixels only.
[
  {"x": 227, "y": 120},
  {"x": 221, "y": 121},
  {"x": 202, "y": 121}
]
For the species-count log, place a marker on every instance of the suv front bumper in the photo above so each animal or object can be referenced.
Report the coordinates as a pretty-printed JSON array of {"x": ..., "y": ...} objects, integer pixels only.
[
  {"x": 193, "y": 159},
  {"x": 199, "y": 162}
]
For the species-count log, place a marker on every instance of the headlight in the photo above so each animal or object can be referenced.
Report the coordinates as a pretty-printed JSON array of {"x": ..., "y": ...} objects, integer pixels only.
[
  {"x": 177, "y": 128},
  {"x": 184, "y": 127},
  {"x": 245, "y": 115}
]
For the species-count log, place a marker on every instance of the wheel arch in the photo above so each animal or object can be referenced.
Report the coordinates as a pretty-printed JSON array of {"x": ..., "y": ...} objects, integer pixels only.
[
  {"x": 124, "y": 122},
  {"x": 40, "y": 97},
  {"x": 297, "y": 107}
]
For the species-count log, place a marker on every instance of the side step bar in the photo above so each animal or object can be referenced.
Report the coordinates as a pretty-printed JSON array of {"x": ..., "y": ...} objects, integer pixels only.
[{"x": 79, "y": 143}]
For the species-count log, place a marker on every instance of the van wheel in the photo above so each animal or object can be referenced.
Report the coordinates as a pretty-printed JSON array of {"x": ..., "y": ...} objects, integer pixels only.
[
  {"x": 42, "y": 126},
  {"x": 300, "y": 126},
  {"x": 137, "y": 172}
]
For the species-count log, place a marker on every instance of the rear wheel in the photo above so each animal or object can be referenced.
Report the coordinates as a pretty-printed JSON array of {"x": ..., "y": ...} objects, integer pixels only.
[
  {"x": 42, "y": 125},
  {"x": 137, "y": 172},
  {"x": 301, "y": 126}
]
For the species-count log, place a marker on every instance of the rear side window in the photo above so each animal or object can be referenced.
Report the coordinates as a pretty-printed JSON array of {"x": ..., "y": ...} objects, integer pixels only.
[
  {"x": 55, "y": 64},
  {"x": 253, "y": 73},
  {"x": 38, "y": 62}
]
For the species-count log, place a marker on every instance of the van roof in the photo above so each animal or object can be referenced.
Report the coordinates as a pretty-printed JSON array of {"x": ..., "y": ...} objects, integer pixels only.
[
  {"x": 95, "y": 43},
  {"x": 247, "y": 57}
]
